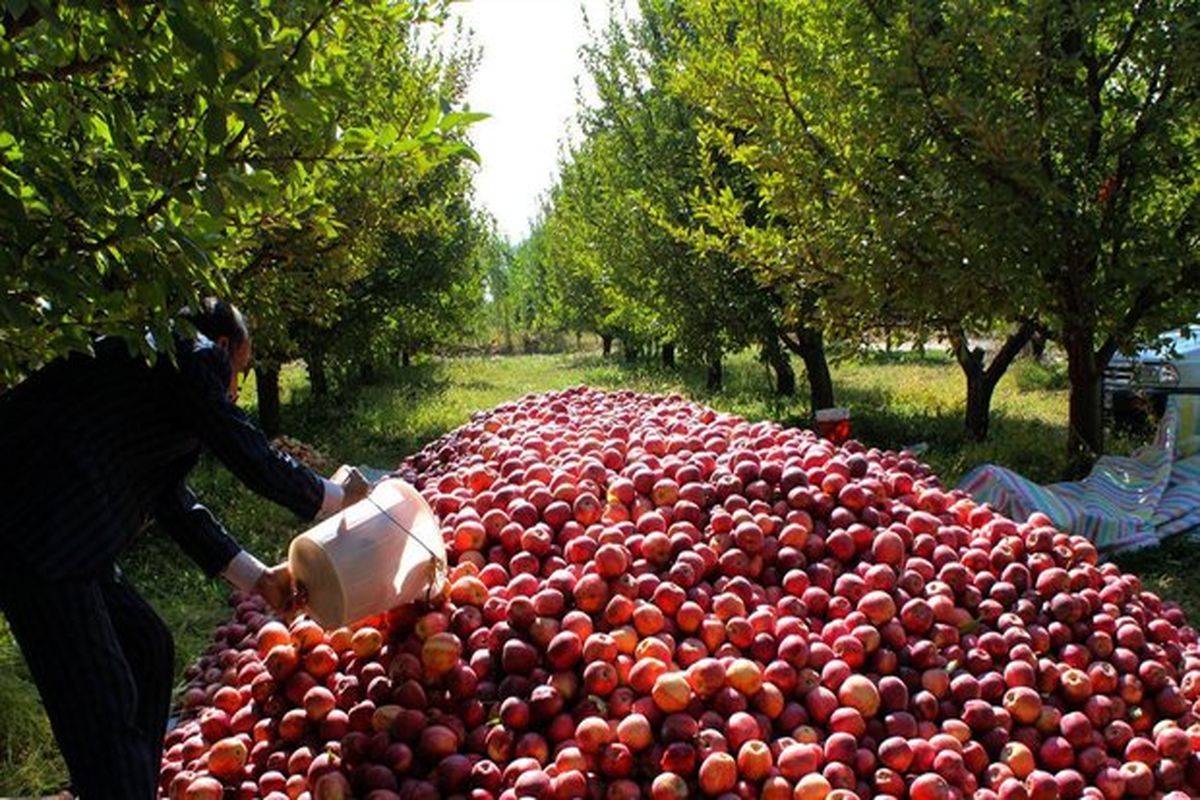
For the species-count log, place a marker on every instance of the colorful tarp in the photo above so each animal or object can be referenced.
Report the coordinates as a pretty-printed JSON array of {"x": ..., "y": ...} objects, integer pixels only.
[{"x": 1127, "y": 502}]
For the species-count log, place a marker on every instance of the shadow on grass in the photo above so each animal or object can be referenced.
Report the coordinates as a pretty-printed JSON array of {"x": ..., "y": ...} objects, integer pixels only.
[
  {"x": 931, "y": 356},
  {"x": 1031, "y": 446},
  {"x": 366, "y": 423},
  {"x": 747, "y": 386},
  {"x": 1169, "y": 570}
]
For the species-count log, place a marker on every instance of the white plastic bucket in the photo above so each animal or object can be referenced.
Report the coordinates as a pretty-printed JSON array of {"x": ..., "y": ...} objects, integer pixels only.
[
  {"x": 834, "y": 424},
  {"x": 384, "y": 551}
]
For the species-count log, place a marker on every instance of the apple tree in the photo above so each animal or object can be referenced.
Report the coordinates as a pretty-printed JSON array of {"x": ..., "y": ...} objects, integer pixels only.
[
  {"x": 628, "y": 188},
  {"x": 144, "y": 148},
  {"x": 971, "y": 167}
]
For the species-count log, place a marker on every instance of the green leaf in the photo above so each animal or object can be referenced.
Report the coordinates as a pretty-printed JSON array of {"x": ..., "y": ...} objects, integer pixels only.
[
  {"x": 66, "y": 191},
  {"x": 12, "y": 208},
  {"x": 430, "y": 123},
  {"x": 461, "y": 119},
  {"x": 358, "y": 139},
  {"x": 210, "y": 73},
  {"x": 48, "y": 13},
  {"x": 459, "y": 149},
  {"x": 124, "y": 125},
  {"x": 247, "y": 64},
  {"x": 187, "y": 247},
  {"x": 303, "y": 107},
  {"x": 11, "y": 311},
  {"x": 387, "y": 135},
  {"x": 99, "y": 128},
  {"x": 250, "y": 115},
  {"x": 214, "y": 125},
  {"x": 404, "y": 146},
  {"x": 189, "y": 33},
  {"x": 214, "y": 199}
]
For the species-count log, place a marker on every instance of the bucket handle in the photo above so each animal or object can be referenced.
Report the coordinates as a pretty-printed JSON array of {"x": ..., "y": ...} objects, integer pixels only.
[{"x": 438, "y": 568}]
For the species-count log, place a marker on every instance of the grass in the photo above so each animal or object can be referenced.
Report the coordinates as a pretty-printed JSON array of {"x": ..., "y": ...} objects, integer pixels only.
[{"x": 896, "y": 401}]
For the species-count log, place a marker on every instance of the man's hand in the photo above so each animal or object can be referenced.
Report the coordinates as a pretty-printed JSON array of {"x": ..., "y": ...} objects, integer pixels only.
[
  {"x": 355, "y": 485},
  {"x": 278, "y": 588}
]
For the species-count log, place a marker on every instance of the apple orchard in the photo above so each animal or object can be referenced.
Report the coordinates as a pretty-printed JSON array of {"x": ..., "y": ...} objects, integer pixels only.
[{"x": 646, "y": 598}]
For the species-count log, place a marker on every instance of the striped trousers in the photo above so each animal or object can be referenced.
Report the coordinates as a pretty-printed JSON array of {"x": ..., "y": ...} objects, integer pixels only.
[{"x": 103, "y": 663}]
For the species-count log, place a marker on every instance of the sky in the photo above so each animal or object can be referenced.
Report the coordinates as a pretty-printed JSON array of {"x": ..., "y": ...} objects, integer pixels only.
[{"x": 527, "y": 81}]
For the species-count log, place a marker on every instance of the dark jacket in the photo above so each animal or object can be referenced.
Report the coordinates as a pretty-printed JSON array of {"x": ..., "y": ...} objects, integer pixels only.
[{"x": 92, "y": 447}]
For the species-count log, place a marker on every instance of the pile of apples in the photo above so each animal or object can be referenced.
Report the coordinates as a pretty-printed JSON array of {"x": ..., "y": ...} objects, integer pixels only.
[
  {"x": 651, "y": 599},
  {"x": 305, "y": 453}
]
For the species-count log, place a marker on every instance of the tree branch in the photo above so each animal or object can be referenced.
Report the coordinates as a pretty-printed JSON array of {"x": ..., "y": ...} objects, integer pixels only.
[
  {"x": 1152, "y": 294},
  {"x": 306, "y": 159},
  {"x": 77, "y": 67},
  {"x": 162, "y": 200},
  {"x": 970, "y": 360},
  {"x": 1154, "y": 99},
  {"x": 1118, "y": 53},
  {"x": 958, "y": 142},
  {"x": 800, "y": 342},
  {"x": 269, "y": 86},
  {"x": 1147, "y": 297},
  {"x": 1010, "y": 349},
  {"x": 1096, "y": 128},
  {"x": 1039, "y": 104},
  {"x": 877, "y": 14},
  {"x": 824, "y": 151}
]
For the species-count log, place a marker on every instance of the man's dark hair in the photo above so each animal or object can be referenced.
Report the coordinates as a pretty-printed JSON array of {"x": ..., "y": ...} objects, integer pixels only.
[{"x": 216, "y": 318}]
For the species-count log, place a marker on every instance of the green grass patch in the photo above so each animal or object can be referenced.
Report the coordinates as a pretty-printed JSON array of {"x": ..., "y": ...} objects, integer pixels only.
[
  {"x": 897, "y": 400},
  {"x": 29, "y": 761}
]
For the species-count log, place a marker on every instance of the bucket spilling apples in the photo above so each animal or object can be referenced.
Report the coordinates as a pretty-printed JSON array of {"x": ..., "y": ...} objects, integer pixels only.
[
  {"x": 651, "y": 599},
  {"x": 384, "y": 551}
]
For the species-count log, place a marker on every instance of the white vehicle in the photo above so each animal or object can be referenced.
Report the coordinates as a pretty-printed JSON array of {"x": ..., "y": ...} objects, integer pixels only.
[{"x": 1138, "y": 384}]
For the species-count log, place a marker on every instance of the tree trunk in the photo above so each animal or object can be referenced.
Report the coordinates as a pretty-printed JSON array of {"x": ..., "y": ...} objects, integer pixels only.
[
  {"x": 606, "y": 341},
  {"x": 809, "y": 344},
  {"x": 668, "y": 355},
  {"x": 1085, "y": 421},
  {"x": 982, "y": 378},
  {"x": 366, "y": 371},
  {"x": 979, "y": 406},
  {"x": 630, "y": 351},
  {"x": 777, "y": 359},
  {"x": 317, "y": 377},
  {"x": 266, "y": 379},
  {"x": 979, "y": 389},
  {"x": 405, "y": 358},
  {"x": 714, "y": 378}
]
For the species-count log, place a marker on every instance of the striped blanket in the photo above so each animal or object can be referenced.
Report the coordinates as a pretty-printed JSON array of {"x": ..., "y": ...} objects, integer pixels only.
[{"x": 1126, "y": 502}]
